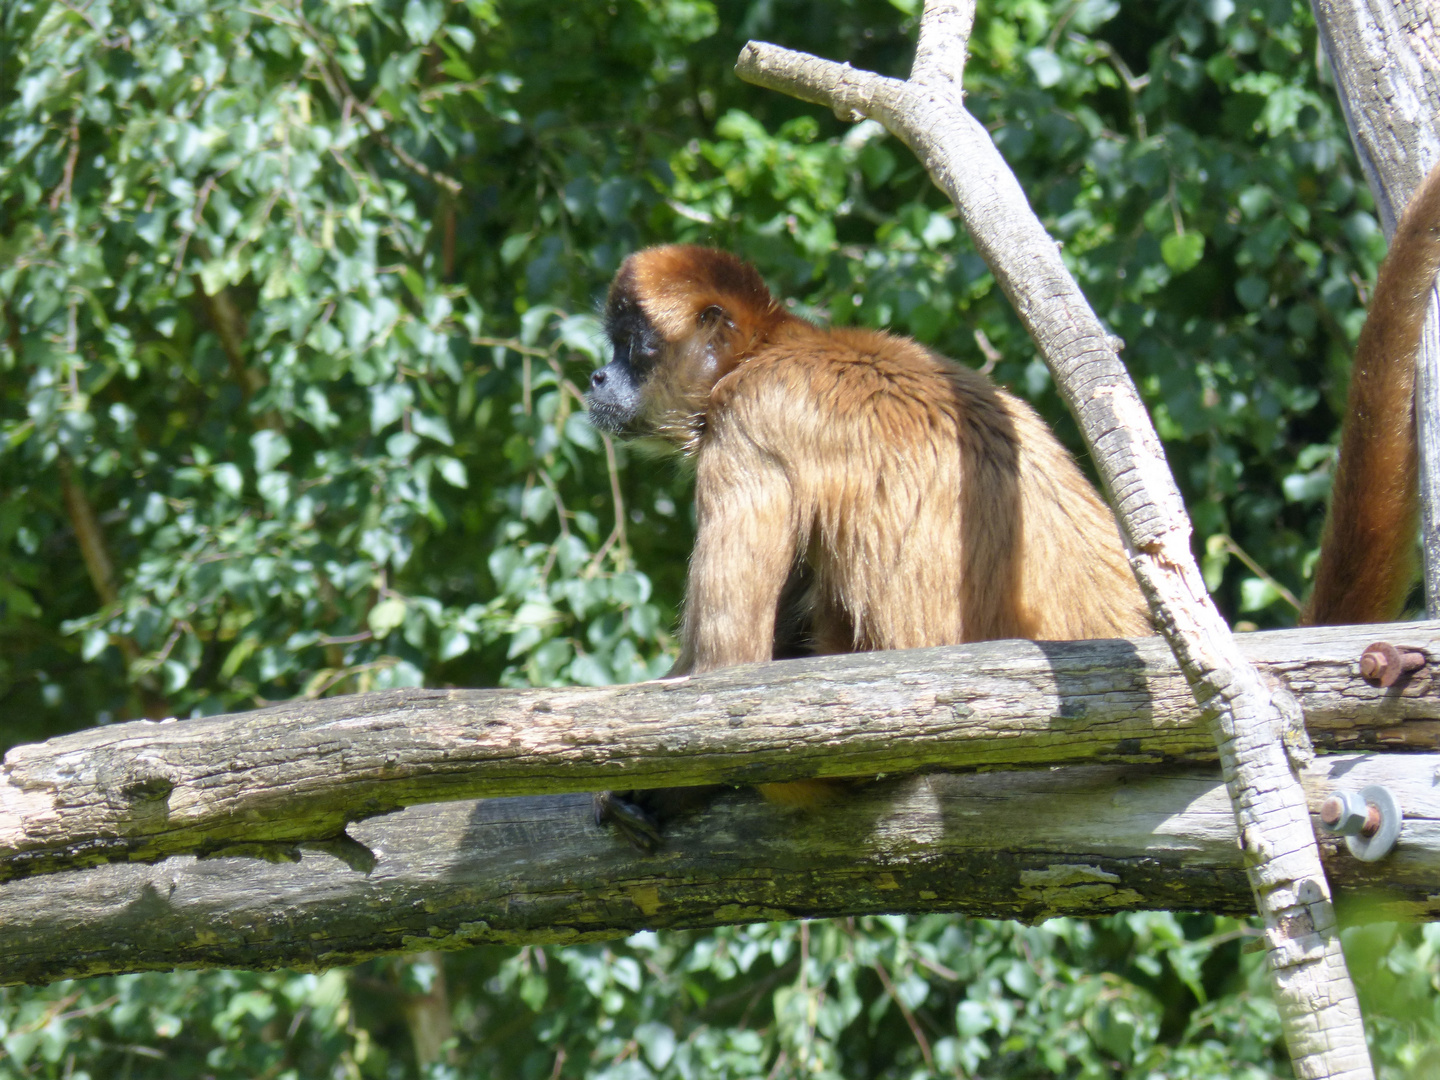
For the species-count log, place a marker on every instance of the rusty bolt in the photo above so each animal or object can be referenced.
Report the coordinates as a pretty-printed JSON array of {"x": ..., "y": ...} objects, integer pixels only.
[
  {"x": 1346, "y": 813},
  {"x": 1382, "y": 664}
]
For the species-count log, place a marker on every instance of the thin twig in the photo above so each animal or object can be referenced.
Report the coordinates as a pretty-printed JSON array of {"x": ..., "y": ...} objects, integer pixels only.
[
  {"x": 513, "y": 344},
  {"x": 339, "y": 89},
  {"x": 617, "y": 534},
  {"x": 1133, "y": 84},
  {"x": 920, "y": 1039},
  {"x": 992, "y": 355},
  {"x": 347, "y": 639},
  {"x": 317, "y": 688},
  {"x": 88, "y": 534},
  {"x": 67, "y": 177},
  {"x": 1259, "y": 571},
  {"x": 560, "y": 510}
]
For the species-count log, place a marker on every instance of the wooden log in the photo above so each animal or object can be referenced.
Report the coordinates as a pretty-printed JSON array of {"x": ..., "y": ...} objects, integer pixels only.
[
  {"x": 265, "y": 781},
  {"x": 1029, "y": 844}
]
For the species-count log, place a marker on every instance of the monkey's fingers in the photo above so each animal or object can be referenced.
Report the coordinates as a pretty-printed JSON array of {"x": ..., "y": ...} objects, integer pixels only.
[{"x": 637, "y": 826}]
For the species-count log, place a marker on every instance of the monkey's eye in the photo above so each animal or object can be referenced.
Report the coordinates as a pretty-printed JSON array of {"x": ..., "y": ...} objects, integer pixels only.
[{"x": 712, "y": 315}]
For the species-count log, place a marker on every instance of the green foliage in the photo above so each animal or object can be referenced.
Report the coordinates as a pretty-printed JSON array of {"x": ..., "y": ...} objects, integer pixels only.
[
  {"x": 824, "y": 999},
  {"x": 1140, "y": 995},
  {"x": 296, "y": 301}
]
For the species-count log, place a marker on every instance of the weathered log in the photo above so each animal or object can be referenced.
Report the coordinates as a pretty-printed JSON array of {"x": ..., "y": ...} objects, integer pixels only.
[
  {"x": 267, "y": 780},
  {"x": 1078, "y": 840}
]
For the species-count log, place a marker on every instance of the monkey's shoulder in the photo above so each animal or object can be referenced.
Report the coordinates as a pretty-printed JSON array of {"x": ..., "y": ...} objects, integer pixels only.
[{"x": 848, "y": 367}]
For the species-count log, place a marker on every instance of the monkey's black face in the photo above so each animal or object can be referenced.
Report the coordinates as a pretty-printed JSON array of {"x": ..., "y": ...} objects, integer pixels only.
[{"x": 617, "y": 396}]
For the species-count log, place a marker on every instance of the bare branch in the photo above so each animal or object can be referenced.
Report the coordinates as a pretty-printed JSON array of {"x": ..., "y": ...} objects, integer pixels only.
[
  {"x": 88, "y": 534},
  {"x": 940, "y": 54}
]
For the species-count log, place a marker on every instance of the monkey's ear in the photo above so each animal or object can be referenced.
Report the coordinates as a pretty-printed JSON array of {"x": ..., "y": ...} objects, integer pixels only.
[{"x": 713, "y": 315}]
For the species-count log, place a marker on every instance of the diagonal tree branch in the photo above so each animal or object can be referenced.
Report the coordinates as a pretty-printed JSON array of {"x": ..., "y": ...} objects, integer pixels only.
[{"x": 1316, "y": 999}]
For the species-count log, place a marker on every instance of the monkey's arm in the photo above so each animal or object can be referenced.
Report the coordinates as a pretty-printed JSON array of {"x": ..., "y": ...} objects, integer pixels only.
[
  {"x": 746, "y": 544},
  {"x": 745, "y": 548}
]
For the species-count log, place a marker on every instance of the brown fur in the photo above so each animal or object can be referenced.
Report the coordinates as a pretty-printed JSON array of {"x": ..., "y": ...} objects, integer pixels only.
[
  {"x": 931, "y": 507},
  {"x": 1367, "y": 556}
]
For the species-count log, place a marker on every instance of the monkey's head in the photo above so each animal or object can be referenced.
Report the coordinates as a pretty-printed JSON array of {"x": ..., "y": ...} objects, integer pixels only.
[{"x": 680, "y": 318}]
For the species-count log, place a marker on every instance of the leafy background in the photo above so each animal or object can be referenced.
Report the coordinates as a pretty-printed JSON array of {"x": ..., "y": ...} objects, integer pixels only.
[{"x": 295, "y": 302}]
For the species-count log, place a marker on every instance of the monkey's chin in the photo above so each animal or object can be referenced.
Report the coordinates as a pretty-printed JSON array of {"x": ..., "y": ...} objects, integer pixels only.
[
  {"x": 636, "y": 435},
  {"x": 623, "y": 425},
  {"x": 609, "y": 419}
]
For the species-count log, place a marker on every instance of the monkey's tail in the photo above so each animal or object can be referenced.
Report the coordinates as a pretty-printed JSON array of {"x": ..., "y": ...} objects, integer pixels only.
[{"x": 1367, "y": 554}]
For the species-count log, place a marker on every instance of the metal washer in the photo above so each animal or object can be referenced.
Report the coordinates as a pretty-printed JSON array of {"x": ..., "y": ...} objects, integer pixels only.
[{"x": 1373, "y": 848}]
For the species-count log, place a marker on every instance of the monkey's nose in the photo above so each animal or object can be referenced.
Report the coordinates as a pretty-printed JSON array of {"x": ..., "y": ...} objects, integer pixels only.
[{"x": 597, "y": 380}]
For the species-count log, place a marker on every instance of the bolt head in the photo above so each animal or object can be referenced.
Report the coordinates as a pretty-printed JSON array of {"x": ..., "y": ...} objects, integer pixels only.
[
  {"x": 1344, "y": 813},
  {"x": 1380, "y": 664}
]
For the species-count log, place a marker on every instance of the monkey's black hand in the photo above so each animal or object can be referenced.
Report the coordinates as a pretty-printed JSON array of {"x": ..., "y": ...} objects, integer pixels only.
[{"x": 634, "y": 823}]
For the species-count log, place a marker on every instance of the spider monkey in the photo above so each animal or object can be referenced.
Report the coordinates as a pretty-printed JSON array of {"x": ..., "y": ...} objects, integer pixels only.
[{"x": 875, "y": 495}]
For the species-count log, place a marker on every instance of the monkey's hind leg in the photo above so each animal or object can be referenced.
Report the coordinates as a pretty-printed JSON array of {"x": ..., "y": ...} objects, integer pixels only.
[{"x": 641, "y": 816}]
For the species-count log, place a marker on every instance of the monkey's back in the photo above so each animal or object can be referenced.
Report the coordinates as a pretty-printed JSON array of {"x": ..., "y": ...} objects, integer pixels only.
[{"x": 932, "y": 507}]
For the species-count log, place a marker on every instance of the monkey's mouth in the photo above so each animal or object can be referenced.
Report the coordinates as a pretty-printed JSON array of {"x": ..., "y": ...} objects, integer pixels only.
[{"x": 608, "y": 416}]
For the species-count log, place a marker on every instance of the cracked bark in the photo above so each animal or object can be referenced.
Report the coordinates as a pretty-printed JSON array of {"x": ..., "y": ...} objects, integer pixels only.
[{"x": 266, "y": 781}]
